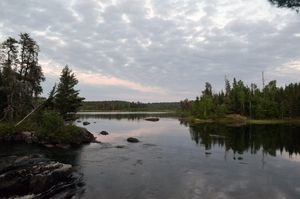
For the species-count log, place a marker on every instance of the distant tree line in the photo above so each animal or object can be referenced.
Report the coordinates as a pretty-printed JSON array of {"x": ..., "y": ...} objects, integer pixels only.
[
  {"x": 128, "y": 106},
  {"x": 21, "y": 77},
  {"x": 269, "y": 102}
]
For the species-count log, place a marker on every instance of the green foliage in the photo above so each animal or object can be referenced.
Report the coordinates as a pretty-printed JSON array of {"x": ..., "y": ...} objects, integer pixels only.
[
  {"x": 68, "y": 134},
  {"x": 269, "y": 102},
  {"x": 7, "y": 129},
  {"x": 67, "y": 99},
  {"x": 294, "y": 4},
  {"x": 51, "y": 127},
  {"x": 20, "y": 77},
  {"x": 49, "y": 123}
]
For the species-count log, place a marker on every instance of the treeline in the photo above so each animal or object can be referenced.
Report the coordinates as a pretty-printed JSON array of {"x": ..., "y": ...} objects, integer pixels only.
[
  {"x": 128, "y": 106},
  {"x": 237, "y": 98},
  {"x": 20, "y": 82}
]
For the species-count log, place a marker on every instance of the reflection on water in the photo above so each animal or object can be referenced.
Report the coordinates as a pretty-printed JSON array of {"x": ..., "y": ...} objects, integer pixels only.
[
  {"x": 174, "y": 160},
  {"x": 254, "y": 138},
  {"x": 123, "y": 115}
]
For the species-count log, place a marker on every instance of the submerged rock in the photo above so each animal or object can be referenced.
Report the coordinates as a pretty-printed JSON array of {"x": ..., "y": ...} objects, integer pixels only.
[
  {"x": 132, "y": 140},
  {"x": 33, "y": 174},
  {"x": 152, "y": 119},
  {"x": 104, "y": 133},
  {"x": 85, "y": 123}
]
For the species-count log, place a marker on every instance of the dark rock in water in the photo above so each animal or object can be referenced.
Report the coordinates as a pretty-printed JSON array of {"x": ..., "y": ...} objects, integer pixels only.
[
  {"x": 85, "y": 123},
  {"x": 132, "y": 140},
  {"x": 152, "y": 119},
  {"x": 33, "y": 174},
  {"x": 78, "y": 121},
  {"x": 104, "y": 133},
  {"x": 240, "y": 158},
  {"x": 120, "y": 147}
]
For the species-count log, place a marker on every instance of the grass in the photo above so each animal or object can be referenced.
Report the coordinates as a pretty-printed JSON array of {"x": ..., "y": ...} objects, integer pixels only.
[
  {"x": 238, "y": 120},
  {"x": 273, "y": 121}
]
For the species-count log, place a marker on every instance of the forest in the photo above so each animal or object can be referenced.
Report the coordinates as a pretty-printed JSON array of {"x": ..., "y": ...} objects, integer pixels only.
[
  {"x": 128, "y": 106},
  {"x": 270, "y": 102}
]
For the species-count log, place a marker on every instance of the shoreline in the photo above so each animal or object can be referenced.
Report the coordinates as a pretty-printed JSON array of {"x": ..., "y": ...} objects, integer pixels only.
[{"x": 240, "y": 121}]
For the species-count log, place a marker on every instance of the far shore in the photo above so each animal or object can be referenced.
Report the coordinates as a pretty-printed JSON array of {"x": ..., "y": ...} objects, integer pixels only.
[{"x": 238, "y": 120}]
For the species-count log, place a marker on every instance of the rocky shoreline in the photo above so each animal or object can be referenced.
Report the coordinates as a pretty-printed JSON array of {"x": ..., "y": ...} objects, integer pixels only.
[
  {"x": 30, "y": 138},
  {"x": 35, "y": 176}
]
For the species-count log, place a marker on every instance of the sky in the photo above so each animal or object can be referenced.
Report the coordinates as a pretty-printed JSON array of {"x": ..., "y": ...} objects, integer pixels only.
[{"x": 158, "y": 50}]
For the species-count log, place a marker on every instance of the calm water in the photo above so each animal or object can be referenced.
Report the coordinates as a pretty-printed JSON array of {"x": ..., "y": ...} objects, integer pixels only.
[{"x": 174, "y": 160}]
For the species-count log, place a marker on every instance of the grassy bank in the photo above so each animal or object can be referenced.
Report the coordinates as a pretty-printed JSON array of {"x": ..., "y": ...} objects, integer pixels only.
[{"x": 238, "y": 120}]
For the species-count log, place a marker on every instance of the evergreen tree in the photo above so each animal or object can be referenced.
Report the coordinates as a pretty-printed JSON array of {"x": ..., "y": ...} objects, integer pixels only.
[
  {"x": 67, "y": 99},
  {"x": 21, "y": 76}
]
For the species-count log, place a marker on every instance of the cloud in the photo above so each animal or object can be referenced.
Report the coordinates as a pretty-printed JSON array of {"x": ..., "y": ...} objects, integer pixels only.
[{"x": 170, "y": 48}]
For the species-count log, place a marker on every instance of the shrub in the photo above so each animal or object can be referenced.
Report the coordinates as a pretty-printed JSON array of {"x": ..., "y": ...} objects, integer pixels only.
[
  {"x": 6, "y": 129},
  {"x": 49, "y": 123}
]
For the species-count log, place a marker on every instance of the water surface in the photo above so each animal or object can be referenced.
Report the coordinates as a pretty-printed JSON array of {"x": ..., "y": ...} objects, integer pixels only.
[{"x": 174, "y": 160}]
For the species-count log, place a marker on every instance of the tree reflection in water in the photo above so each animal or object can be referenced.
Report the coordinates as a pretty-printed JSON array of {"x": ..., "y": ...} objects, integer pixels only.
[{"x": 251, "y": 138}]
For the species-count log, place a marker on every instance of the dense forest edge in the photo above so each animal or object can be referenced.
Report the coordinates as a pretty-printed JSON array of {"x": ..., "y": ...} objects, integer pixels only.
[
  {"x": 24, "y": 115},
  {"x": 242, "y": 104}
]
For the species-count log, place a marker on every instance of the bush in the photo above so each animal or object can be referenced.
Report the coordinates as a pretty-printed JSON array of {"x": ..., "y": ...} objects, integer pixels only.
[
  {"x": 69, "y": 133},
  {"x": 6, "y": 129},
  {"x": 49, "y": 123}
]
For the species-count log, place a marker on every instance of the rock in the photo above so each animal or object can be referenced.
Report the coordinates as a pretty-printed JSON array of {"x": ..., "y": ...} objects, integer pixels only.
[
  {"x": 33, "y": 174},
  {"x": 104, "y": 133},
  {"x": 132, "y": 140},
  {"x": 120, "y": 147},
  {"x": 78, "y": 121},
  {"x": 152, "y": 119},
  {"x": 85, "y": 123}
]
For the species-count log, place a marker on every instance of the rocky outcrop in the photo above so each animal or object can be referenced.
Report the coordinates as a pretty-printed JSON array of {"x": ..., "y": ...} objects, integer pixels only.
[
  {"x": 37, "y": 176},
  {"x": 84, "y": 137}
]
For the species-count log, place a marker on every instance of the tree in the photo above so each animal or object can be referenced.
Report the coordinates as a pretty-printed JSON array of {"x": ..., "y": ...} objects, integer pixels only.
[
  {"x": 29, "y": 69},
  {"x": 21, "y": 76},
  {"x": 294, "y": 4},
  {"x": 67, "y": 99}
]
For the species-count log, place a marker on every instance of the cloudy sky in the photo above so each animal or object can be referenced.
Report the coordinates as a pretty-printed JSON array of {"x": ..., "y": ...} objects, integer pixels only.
[{"x": 158, "y": 50}]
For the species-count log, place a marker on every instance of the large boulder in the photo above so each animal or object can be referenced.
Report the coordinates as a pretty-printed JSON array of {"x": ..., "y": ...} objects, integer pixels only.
[
  {"x": 34, "y": 174},
  {"x": 85, "y": 123}
]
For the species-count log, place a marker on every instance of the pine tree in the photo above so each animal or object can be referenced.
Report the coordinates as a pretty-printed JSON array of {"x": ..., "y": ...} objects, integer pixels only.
[{"x": 67, "y": 99}]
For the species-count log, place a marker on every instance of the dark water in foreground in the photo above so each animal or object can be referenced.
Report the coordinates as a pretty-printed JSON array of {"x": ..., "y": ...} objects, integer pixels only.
[{"x": 176, "y": 161}]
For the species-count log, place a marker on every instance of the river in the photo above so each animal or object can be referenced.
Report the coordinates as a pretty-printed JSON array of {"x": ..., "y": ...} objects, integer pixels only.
[{"x": 175, "y": 160}]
